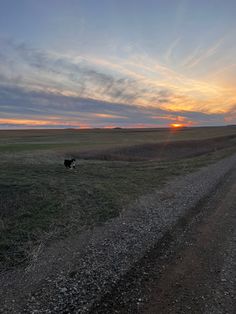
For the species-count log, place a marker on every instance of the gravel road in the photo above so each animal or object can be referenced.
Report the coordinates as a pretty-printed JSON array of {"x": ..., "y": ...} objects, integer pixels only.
[
  {"x": 80, "y": 274},
  {"x": 194, "y": 268},
  {"x": 202, "y": 276}
]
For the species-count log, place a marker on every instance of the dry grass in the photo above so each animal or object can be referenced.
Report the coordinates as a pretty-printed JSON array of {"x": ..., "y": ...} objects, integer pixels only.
[
  {"x": 83, "y": 140},
  {"x": 41, "y": 200},
  {"x": 169, "y": 150}
]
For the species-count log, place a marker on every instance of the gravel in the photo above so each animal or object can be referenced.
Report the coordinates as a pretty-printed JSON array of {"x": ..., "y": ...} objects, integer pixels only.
[{"x": 109, "y": 251}]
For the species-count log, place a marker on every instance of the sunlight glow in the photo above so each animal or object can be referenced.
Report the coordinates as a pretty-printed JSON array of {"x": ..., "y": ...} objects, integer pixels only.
[{"x": 177, "y": 125}]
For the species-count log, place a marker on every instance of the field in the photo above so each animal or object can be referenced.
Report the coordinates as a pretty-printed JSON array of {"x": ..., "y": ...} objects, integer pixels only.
[{"x": 41, "y": 201}]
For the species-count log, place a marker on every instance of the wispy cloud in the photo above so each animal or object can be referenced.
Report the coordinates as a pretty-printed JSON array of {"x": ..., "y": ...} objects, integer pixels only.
[
  {"x": 97, "y": 92},
  {"x": 43, "y": 108},
  {"x": 202, "y": 54},
  {"x": 170, "y": 51}
]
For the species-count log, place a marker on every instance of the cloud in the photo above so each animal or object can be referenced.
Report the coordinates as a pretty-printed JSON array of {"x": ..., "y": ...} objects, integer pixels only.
[
  {"x": 230, "y": 117},
  {"x": 87, "y": 81},
  {"x": 42, "y": 109},
  {"x": 200, "y": 55},
  {"x": 170, "y": 51},
  {"x": 39, "y": 85}
]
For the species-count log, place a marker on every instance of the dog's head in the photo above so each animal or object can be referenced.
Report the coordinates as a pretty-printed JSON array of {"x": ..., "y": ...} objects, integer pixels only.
[{"x": 73, "y": 163}]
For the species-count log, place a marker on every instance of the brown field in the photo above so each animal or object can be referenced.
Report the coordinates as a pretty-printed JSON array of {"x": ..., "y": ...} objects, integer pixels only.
[
  {"x": 169, "y": 150},
  {"x": 91, "y": 139}
]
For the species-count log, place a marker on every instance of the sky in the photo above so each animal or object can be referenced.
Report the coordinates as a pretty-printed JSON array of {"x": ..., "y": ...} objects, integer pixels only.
[{"x": 117, "y": 63}]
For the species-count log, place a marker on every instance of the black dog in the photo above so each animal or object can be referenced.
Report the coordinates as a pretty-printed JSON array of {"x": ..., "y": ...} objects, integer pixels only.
[{"x": 69, "y": 163}]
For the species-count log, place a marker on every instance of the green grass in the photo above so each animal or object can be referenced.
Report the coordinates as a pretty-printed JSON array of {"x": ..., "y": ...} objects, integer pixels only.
[{"x": 40, "y": 199}]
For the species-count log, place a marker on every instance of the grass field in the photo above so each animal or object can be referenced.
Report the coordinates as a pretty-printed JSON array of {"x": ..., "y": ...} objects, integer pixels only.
[
  {"x": 41, "y": 200},
  {"x": 69, "y": 139}
]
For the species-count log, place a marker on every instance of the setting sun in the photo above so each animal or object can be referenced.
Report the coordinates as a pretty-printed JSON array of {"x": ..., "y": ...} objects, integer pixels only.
[{"x": 177, "y": 125}]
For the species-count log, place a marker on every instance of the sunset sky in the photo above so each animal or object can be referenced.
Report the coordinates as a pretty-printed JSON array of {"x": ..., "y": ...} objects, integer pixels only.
[{"x": 108, "y": 63}]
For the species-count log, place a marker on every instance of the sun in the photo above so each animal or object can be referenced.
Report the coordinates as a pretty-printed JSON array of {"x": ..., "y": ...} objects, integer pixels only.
[{"x": 177, "y": 125}]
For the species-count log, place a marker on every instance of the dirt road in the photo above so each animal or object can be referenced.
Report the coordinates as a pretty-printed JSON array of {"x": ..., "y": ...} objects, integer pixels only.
[
  {"x": 193, "y": 270},
  {"x": 190, "y": 267}
]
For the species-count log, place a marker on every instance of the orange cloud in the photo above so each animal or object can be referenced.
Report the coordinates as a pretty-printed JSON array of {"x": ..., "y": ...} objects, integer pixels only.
[{"x": 42, "y": 123}]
